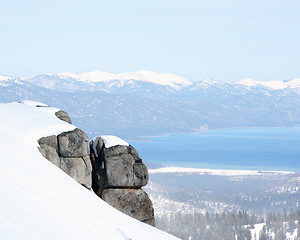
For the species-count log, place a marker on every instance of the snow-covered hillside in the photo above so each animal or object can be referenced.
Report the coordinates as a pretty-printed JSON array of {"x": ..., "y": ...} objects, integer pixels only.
[{"x": 40, "y": 201}]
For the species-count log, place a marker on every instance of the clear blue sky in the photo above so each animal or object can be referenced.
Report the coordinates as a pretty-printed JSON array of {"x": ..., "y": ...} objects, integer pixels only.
[{"x": 227, "y": 40}]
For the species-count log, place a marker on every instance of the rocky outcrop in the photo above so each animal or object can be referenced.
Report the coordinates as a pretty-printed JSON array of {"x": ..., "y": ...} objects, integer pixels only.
[
  {"x": 118, "y": 175},
  {"x": 73, "y": 144},
  {"x": 133, "y": 202},
  {"x": 70, "y": 152},
  {"x": 117, "y": 166},
  {"x": 62, "y": 115},
  {"x": 116, "y": 172}
]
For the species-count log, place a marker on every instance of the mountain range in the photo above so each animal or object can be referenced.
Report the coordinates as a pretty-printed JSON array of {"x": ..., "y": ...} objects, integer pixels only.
[{"x": 145, "y": 103}]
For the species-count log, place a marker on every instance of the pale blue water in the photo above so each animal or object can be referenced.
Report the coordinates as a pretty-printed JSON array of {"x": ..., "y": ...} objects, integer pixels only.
[{"x": 243, "y": 148}]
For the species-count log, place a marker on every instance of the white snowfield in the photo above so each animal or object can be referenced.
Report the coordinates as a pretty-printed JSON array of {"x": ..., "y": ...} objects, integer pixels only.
[
  {"x": 109, "y": 141},
  {"x": 279, "y": 84},
  {"x": 38, "y": 200},
  {"x": 166, "y": 79},
  {"x": 221, "y": 172}
]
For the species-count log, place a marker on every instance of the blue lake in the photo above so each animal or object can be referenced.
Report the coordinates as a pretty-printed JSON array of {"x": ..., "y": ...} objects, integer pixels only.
[{"x": 240, "y": 148}]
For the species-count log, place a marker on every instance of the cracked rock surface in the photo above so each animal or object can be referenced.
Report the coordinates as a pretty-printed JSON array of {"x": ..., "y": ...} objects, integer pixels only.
[
  {"x": 70, "y": 152},
  {"x": 118, "y": 175}
]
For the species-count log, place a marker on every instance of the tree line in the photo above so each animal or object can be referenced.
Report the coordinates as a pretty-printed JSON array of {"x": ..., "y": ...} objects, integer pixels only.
[{"x": 227, "y": 225}]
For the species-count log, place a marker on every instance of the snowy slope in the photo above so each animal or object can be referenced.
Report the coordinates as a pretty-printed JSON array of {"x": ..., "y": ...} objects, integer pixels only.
[
  {"x": 38, "y": 200},
  {"x": 294, "y": 83}
]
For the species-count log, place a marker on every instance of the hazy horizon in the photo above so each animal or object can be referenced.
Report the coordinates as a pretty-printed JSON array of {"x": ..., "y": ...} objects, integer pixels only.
[{"x": 227, "y": 40}]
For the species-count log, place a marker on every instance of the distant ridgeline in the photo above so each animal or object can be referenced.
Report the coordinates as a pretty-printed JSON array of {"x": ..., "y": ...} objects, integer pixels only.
[
  {"x": 107, "y": 165},
  {"x": 145, "y": 103}
]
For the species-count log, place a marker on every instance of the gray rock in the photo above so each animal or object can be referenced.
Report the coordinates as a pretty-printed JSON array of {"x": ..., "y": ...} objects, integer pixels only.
[
  {"x": 133, "y": 202},
  {"x": 78, "y": 168},
  {"x": 73, "y": 144},
  {"x": 48, "y": 148},
  {"x": 99, "y": 146},
  {"x": 62, "y": 115},
  {"x": 118, "y": 175},
  {"x": 140, "y": 172},
  {"x": 119, "y": 171},
  {"x": 117, "y": 166},
  {"x": 134, "y": 153}
]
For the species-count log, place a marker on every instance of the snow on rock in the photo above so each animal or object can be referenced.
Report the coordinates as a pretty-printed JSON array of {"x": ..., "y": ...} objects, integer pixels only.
[
  {"x": 223, "y": 172},
  {"x": 110, "y": 141},
  {"x": 166, "y": 79},
  {"x": 40, "y": 201}
]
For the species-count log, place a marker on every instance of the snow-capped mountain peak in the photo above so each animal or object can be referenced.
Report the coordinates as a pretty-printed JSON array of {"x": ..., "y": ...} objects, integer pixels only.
[
  {"x": 165, "y": 79},
  {"x": 278, "y": 84},
  {"x": 211, "y": 82},
  {"x": 294, "y": 83},
  {"x": 206, "y": 83},
  {"x": 6, "y": 81},
  {"x": 5, "y": 78}
]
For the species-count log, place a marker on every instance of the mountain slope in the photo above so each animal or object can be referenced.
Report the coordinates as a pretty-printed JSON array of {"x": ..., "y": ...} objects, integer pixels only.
[{"x": 38, "y": 200}]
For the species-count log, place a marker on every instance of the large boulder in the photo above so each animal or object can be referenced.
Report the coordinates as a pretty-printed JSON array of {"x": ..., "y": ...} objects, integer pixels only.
[
  {"x": 133, "y": 202},
  {"x": 62, "y": 115},
  {"x": 48, "y": 148},
  {"x": 118, "y": 175},
  {"x": 70, "y": 152},
  {"x": 73, "y": 144},
  {"x": 78, "y": 168},
  {"x": 117, "y": 166}
]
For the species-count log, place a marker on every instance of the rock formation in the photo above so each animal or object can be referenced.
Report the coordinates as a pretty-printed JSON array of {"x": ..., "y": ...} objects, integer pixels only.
[
  {"x": 118, "y": 175},
  {"x": 133, "y": 202},
  {"x": 115, "y": 172},
  {"x": 62, "y": 115},
  {"x": 70, "y": 152}
]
